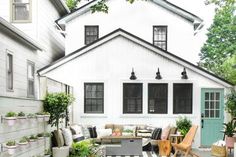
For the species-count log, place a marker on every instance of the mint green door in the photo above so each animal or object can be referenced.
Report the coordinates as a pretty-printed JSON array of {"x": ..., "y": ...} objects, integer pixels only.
[{"x": 212, "y": 116}]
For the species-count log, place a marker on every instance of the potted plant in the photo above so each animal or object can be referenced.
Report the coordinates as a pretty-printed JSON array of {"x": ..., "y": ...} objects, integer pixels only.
[
  {"x": 21, "y": 116},
  {"x": 23, "y": 141},
  {"x": 183, "y": 125},
  {"x": 11, "y": 117},
  {"x": 231, "y": 104},
  {"x": 40, "y": 116},
  {"x": 56, "y": 104},
  {"x": 229, "y": 130},
  {"x": 11, "y": 147},
  {"x": 32, "y": 139},
  {"x": 40, "y": 136}
]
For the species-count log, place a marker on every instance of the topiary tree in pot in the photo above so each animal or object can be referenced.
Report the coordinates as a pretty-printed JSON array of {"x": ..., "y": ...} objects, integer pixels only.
[
  {"x": 229, "y": 131},
  {"x": 56, "y": 104}
]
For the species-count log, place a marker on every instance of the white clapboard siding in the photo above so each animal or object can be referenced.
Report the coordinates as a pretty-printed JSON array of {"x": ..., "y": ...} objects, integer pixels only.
[{"x": 20, "y": 129}]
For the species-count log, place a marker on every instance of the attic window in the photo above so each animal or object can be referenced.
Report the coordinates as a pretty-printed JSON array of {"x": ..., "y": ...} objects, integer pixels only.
[
  {"x": 160, "y": 36},
  {"x": 91, "y": 34},
  {"x": 21, "y": 10}
]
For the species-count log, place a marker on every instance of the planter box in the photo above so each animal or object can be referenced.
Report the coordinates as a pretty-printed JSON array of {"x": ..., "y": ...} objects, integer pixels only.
[
  {"x": 10, "y": 120},
  {"x": 219, "y": 151},
  {"x": 60, "y": 152},
  {"x": 11, "y": 149}
]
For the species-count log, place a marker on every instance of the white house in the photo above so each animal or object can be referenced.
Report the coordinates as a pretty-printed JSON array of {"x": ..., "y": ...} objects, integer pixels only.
[
  {"x": 29, "y": 41},
  {"x": 112, "y": 62}
]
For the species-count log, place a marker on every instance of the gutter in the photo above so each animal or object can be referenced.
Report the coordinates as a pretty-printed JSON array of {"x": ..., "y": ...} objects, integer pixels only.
[{"x": 21, "y": 35}]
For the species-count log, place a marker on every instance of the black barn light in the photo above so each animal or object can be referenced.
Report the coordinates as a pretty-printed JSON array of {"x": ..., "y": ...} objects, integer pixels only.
[
  {"x": 133, "y": 77},
  {"x": 158, "y": 75},
  {"x": 184, "y": 74}
]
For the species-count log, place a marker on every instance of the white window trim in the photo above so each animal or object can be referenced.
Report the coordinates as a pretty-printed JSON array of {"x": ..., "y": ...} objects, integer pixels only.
[
  {"x": 32, "y": 63},
  {"x": 20, "y": 21},
  {"x": 7, "y": 89}
]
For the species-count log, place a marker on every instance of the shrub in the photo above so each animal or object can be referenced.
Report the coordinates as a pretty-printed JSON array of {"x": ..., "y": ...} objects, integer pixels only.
[
  {"x": 11, "y": 114},
  {"x": 183, "y": 124},
  {"x": 231, "y": 103},
  {"x": 11, "y": 143},
  {"x": 21, "y": 114}
]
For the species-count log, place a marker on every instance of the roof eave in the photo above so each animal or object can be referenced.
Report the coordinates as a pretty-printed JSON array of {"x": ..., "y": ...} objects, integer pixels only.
[
  {"x": 21, "y": 35},
  {"x": 61, "y": 7}
]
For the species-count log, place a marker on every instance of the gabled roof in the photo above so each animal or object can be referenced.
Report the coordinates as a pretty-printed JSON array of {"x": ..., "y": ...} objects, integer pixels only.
[
  {"x": 123, "y": 33},
  {"x": 9, "y": 28},
  {"x": 163, "y": 3}
]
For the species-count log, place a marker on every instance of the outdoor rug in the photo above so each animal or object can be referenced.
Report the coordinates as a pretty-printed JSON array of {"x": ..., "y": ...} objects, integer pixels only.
[{"x": 145, "y": 154}]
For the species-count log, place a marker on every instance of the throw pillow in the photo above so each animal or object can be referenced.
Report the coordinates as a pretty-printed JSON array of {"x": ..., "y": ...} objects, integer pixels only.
[
  {"x": 93, "y": 132},
  {"x": 67, "y": 136},
  {"x": 86, "y": 132},
  {"x": 76, "y": 129},
  {"x": 129, "y": 129},
  {"x": 165, "y": 133},
  {"x": 58, "y": 138},
  {"x": 156, "y": 134},
  {"x": 103, "y": 132}
]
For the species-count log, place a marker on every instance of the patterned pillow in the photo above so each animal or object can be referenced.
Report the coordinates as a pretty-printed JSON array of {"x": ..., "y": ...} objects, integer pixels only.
[
  {"x": 86, "y": 132},
  {"x": 156, "y": 134},
  {"x": 93, "y": 132},
  {"x": 67, "y": 136}
]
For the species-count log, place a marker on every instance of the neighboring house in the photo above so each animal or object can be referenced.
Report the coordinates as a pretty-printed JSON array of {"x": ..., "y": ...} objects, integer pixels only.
[
  {"x": 102, "y": 49},
  {"x": 29, "y": 41}
]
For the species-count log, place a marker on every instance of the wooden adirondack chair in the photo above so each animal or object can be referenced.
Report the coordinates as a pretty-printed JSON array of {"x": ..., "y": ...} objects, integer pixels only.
[{"x": 186, "y": 145}]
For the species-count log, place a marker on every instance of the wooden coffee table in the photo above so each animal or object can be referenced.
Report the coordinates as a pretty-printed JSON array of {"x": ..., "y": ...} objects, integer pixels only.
[{"x": 129, "y": 145}]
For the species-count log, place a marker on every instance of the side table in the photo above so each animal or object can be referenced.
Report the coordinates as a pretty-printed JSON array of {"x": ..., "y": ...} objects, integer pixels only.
[{"x": 177, "y": 138}]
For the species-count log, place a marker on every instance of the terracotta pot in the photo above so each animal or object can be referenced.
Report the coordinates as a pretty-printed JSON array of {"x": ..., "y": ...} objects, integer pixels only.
[{"x": 230, "y": 141}]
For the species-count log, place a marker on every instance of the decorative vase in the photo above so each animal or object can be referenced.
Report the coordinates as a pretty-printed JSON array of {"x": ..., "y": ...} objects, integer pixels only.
[
  {"x": 10, "y": 120},
  {"x": 230, "y": 141}
]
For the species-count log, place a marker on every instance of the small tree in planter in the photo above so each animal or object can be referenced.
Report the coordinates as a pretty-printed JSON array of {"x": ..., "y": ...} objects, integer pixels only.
[
  {"x": 183, "y": 125},
  {"x": 11, "y": 117},
  {"x": 229, "y": 132},
  {"x": 11, "y": 147},
  {"x": 56, "y": 104},
  {"x": 21, "y": 116},
  {"x": 23, "y": 142},
  {"x": 231, "y": 104}
]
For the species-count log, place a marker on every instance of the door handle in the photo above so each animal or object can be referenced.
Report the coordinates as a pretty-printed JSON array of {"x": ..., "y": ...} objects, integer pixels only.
[{"x": 202, "y": 120}]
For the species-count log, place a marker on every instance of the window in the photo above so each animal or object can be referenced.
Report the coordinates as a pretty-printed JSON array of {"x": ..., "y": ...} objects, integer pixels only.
[
  {"x": 30, "y": 78},
  {"x": 212, "y": 104},
  {"x": 91, "y": 34},
  {"x": 183, "y": 98},
  {"x": 93, "y": 98},
  {"x": 157, "y": 98},
  {"x": 9, "y": 71},
  {"x": 21, "y": 10},
  {"x": 132, "y": 97},
  {"x": 160, "y": 36}
]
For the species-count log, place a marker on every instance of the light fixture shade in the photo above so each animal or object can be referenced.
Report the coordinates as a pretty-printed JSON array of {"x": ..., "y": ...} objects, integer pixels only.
[
  {"x": 184, "y": 74},
  {"x": 133, "y": 77},
  {"x": 158, "y": 75}
]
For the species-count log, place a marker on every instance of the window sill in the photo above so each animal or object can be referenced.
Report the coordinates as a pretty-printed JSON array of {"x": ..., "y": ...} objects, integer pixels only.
[
  {"x": 93, "y": 116},
  {"x": 157, "y": 116}
]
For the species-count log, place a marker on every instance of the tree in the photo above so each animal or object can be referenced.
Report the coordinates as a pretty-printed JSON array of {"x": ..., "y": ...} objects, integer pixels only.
[
  {"x": 217, "y": 53},
  {"x": 100, "y": 6}
]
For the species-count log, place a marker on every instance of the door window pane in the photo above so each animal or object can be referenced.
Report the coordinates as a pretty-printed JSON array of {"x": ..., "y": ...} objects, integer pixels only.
[
  {"x": 21, "y": 10},
  {"x": 212, "y": 102}
]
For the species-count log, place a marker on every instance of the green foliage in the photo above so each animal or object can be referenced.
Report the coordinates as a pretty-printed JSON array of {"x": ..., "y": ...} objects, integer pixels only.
[
  {"x": 33, "y": 137},
  {"x": 81, "y": 149},
  {"x": 11, "y": 143},
  {"x": 183, "y": 125},
  {"x": 128, "y": 131},
  {"x": 231, "y": 103},
  {"x": 40, "y": 135},
  {"x": 100, "y": 6},
  {"x": 229, "y": 66},
  {"x": 221, "y": 43},
  {"x": 21, "y": 114},
  {"x": 31, "y": 115},
  {"x": 11, "y": 114},
  {"x": 229, "y": 128},
  {"x": 71, "y": 4},
  {"x": 56, "y": 104},
  {"x": 23, "y": 140}
]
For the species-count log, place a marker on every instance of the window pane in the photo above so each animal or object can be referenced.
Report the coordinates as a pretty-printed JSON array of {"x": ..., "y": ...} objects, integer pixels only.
[
  {"x": 21, "y": 10},
  {"x": 183, "y": 98},
  {"x": 30, "y": 78},
  {"x": 157, "y": 98},
  {"x": 93, "y": 98},
  {"x": 132, "y": 98},
  {"x": 91, "y": 34},
  {"x": 9, "y": 71},
  {"x": 160, "y": 36}
]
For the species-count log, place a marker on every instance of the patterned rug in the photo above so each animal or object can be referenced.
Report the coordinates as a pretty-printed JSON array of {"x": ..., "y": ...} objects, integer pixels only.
[{"x": 145, "y": 154}]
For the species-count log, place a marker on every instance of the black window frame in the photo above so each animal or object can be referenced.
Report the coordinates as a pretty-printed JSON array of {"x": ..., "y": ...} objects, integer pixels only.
[
  {"x": 30, "y": 63},
  {"x": 126, "y": 112},
  {"x": 191, "y": 102},
  {"x": 85, "y": 35},
  {"x": 90, "y": 112},
  {"x": 156, "y": 99},
  {"x": 166, "y": 34}
]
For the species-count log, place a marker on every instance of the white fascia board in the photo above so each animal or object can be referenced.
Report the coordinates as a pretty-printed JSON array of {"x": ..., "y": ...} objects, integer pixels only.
[{"x": 152, "y": 48}]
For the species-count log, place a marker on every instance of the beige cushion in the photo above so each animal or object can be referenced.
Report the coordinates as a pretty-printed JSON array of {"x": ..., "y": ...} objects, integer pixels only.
[
  {"x": 109, "y": 126},
  {"x": 67, "y": 136},
  {"x": 59, "y": 138},
  {"x": 172, "y": 131},
  {"x": 165, "y": 133}
]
